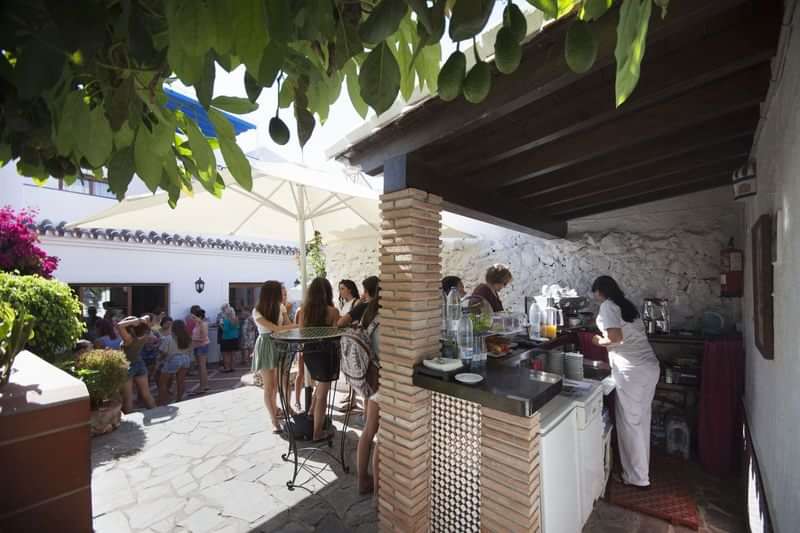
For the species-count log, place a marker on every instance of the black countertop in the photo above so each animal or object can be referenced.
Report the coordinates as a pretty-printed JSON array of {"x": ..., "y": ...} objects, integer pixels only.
[{"x": 509, "y": 384}]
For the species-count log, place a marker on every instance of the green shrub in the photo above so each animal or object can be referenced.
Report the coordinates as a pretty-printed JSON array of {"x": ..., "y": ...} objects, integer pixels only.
[
  {"x": 102, "y": 371},
  {"x": 55, "y": 310}
]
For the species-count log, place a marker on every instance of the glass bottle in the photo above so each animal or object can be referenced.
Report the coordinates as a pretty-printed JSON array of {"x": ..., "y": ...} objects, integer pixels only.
[
  {"x": 535, "y": 319},
  {"x": 466, "y": 339},
  {"x": 453, "y": 308}
]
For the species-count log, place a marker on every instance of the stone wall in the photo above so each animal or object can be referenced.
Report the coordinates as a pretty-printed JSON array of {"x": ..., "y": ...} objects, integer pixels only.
[{"x": 681, "y": 264}]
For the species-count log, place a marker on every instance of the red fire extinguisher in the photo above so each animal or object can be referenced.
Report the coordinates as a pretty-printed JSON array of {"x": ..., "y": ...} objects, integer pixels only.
[{"x": 731, "y": 279}]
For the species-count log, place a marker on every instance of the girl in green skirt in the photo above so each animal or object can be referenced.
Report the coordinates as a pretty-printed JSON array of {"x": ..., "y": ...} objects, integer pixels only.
[{"x": 269, "y": 317}]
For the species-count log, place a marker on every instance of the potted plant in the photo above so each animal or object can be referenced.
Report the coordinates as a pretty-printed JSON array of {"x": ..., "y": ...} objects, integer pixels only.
[
  {"x": 15, "y": 331},
  {"x": 103, "y": 372}
]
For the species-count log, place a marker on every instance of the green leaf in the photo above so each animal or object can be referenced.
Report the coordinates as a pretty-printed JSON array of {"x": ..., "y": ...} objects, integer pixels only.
[
  {"x": 348, "y": 43},
  {"x": 321, "y": 22},
  {"x": 507, "y": 51},
  {"x": 286, "y": 94},
  {"x": 252, "y": 87},
  {"x": 95, "y": 139},
  {"x": 594, "y": 9},
  {"x": 634, "y": 18},
  {"x": 123, "y": 136},
  {"x": 68, "y": 122},
  {"x": 222, "y": 11},
  {"x": 469, "y": 18},
  {"x": 271, "y": 63},
  {"x": 234, "y": 158},
  {"x": 548, "y": 7},
  {"x": 353, "y": 89},
  {"x": 420, "y": 8},
  {"x": 120, "y": 171},
  {"x": 162, "y": 136},
  {"x": 194, "y": 27},
  {"x": 580, "y": 48},
  {"x": 515, "y": 20},
  {"x": 201, "y": 151},
  {"x": 305, "y": 124},
  {"x": 427, "y": 66},
  {"x": 37, "y": 172},
  {"x": 5, "y": 154},
  {"x": 279, "y": 21},
  {"x": 250, "y": 26},
  {"x": 451, "y": 77},
  {"x": 172, "y": 174},
  {"x": 38, "y": 68},
  {"x": 233, "y": 104},
  {"x": 148, "y": 167},
  {"x": 189, "y": 69},
  {"x": 379, "y": 79},
  {"x": 204, "y": 88},
  {"x": 383, "y": 21}
]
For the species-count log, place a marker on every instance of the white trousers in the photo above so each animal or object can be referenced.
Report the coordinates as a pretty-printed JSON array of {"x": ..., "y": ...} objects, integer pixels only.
[{"x": 636, "y": 387}]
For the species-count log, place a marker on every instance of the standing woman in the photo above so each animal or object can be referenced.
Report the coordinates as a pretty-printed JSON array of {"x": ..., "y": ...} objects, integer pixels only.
[
  {"x": 135, "y": 333},
  {"x": 229, "y": 333},
  {"x": 176, "y": 348},
  {"x": 200, "y": 345},
  {"x": 318, "y": 310},
  {"x": 348, "y": 296},
  {"x": 497, "y": 277},
  {"x": 635, "y": 370},
  {"x": 367, "y": 484},
  {"x": 269, "y": 318}
]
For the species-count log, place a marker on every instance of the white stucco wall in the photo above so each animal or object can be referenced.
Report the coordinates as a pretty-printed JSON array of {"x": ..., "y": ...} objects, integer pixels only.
[
  {"x": 668, "y": 249},
  {"x": 772, "y": 394}
]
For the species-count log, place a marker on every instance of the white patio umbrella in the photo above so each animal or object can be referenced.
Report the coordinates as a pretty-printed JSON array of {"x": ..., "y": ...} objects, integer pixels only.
[{"x": 288, "y": 202}]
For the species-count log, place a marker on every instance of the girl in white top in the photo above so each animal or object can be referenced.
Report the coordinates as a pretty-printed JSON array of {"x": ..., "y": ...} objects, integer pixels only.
[
  {"x": 348, "y": 296},
  {"x": 635, "y": 370},
  {"x": 269, "y": 316}
]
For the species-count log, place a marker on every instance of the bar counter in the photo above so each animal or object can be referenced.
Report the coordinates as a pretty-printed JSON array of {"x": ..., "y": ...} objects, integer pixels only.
[
  {"x": 485, "y": 445},
  {"x": 509, "y": 384}
]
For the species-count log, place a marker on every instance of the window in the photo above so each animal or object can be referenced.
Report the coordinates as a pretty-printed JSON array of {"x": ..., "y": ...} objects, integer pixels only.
[
  {"x": 86, "y": 186},
  {"x": 123, "y": 300}
]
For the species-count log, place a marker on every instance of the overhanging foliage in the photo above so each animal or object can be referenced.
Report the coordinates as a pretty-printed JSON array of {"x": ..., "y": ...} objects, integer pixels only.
[{"x": 81, "y": 82}]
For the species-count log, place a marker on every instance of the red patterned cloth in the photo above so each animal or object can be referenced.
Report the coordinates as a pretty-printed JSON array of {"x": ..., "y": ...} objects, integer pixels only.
[
  {"x": 589, "y": 350},
  {"x": 719, "y": 427}
]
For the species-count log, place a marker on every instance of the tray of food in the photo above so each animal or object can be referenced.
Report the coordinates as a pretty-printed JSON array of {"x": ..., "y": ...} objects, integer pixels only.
[{"x": 498, "y": 346}]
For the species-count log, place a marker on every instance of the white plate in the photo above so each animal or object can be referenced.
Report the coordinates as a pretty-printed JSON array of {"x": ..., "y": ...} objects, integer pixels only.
[{"x": 469, "y": 379}]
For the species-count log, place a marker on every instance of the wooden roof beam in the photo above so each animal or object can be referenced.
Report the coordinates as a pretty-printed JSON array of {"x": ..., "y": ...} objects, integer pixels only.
[
  {"x": 541, "y": 72},
  {"x": 672, "y": 169},
  {"x": 703, "y": 104},
  {"x": 588, "y": 103},
  {"x": 661, "y": 193},
  {"x": 736, "y": 125},
  {"x": 404, "y": 173}
]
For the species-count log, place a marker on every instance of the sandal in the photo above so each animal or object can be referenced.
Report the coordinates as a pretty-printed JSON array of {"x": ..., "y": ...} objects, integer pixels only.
[{"x": 618, "y": 478}]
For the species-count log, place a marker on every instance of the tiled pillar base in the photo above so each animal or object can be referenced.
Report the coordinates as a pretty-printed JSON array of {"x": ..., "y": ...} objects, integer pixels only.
[{"x": 410, "y": 272}]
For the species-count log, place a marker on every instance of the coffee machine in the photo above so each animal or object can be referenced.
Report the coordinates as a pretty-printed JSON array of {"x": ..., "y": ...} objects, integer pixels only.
[{"x": 655, "y": 315}]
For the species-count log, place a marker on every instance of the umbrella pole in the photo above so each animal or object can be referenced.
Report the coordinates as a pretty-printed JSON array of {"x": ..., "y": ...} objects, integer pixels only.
[{"x": 301, "y": 220}]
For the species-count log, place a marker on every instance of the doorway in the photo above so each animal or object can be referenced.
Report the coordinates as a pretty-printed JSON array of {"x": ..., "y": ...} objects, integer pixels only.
[
  {"x": 122, "y": 300},
  {"x": 244, "y": 295}
]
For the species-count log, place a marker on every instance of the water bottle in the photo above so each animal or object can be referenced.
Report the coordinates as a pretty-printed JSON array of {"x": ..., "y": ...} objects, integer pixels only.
[
  {"x": 453, "y": 312},
  {"x": 535, "y": 319},
  {"x": 479, "y": 354},
  {"x": 466, "y": 340}
]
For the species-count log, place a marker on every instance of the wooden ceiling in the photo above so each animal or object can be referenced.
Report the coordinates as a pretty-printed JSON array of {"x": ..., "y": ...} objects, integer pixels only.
[{"x": 548, "y": 145}]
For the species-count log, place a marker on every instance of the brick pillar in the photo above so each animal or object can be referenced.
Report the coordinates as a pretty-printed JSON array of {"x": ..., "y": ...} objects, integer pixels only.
[
  {"x": 510, "y": 500},
  {"x": 410, "y": 272}
]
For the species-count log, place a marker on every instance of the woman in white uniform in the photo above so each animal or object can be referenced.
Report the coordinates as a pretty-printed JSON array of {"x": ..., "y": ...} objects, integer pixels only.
[{"x": 635, "y": 370}]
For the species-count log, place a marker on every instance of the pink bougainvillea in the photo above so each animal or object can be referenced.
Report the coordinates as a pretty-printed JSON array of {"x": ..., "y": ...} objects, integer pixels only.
[{"x": 19, "y": 245}]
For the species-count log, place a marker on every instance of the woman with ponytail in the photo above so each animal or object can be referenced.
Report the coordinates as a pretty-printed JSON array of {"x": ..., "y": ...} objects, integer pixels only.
[{"x": 635, "y": 369}]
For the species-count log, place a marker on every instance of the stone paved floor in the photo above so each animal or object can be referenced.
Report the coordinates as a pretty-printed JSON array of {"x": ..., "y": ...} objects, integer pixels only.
[{"x": 211, "y": 464}]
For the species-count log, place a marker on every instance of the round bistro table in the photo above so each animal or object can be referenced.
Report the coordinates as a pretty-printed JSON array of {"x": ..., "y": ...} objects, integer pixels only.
[{"x": 320, "y": 342}]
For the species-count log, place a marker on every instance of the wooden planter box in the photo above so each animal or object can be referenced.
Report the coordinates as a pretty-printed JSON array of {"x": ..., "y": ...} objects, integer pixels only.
[{"x": 45, "y": 450}]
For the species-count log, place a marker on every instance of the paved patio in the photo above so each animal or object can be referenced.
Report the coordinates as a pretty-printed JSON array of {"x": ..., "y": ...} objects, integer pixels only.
[{"x": 212, "y": 464}]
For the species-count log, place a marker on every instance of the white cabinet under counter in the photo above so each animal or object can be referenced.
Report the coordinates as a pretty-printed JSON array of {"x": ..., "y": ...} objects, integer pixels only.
[{"x": 572, "y": 456}]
